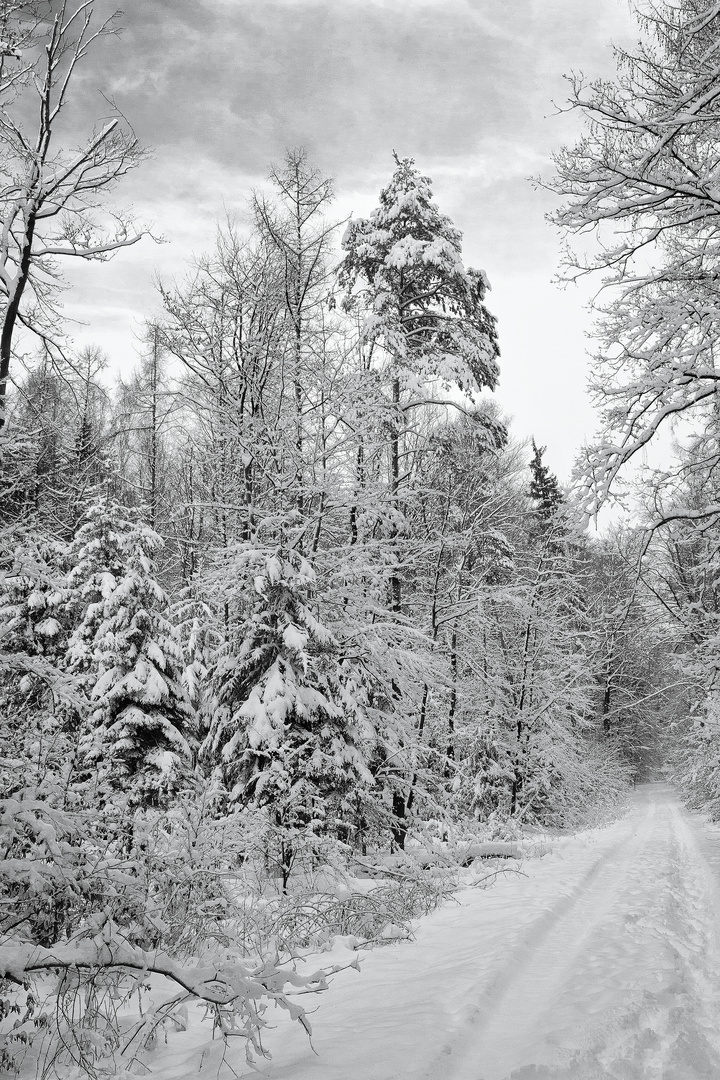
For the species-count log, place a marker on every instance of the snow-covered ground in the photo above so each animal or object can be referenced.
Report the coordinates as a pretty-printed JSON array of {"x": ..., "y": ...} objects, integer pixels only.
[{"x": 602, "y": 962}]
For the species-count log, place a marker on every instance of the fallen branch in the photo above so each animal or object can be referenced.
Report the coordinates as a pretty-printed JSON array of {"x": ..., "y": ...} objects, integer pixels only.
[{"x": 502, "y": 870}]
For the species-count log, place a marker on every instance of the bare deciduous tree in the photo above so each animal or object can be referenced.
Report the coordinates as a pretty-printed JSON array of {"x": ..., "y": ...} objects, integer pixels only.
[
  {"x": 643, "y": 182},
  {"x": 50, "y": 195}
]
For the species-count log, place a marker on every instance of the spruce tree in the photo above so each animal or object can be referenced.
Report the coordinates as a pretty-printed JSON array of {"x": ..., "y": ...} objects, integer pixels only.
[
  {"x": 281, "y": 732},
  {"x": 544, "y": 488},
  {"x": 33, "y": 689},
  {"x": 141, "y": 731}
]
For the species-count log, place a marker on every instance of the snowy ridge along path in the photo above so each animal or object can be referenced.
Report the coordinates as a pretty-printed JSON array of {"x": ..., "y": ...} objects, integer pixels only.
[{"x": 603, "y": 963}]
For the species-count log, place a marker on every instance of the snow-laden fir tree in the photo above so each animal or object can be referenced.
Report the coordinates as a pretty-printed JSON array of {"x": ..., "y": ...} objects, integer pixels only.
[
  {"x": 141, "y": 732},
  {"x": 31, "y": 593},
  {"x": 281, "y": 731},
  {"x": 200, "y": 637},
  {"x": 34, "y": 691},
  {"x": 544, "y": 488}
]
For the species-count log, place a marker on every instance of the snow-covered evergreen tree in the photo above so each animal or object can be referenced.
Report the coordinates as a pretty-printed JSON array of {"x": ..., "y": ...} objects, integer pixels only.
[
  {"x": 36, "y": 695},
  {"x": 280, "y": 730},
  {"x": 142, "y": 729},
  {"x": 544, "y": 488},
  {"x": 31, "y": 593},
  {"x": 421, "y": 309},
  {"x": 404, "y": 266},
  {"x": 200, "y": 637}
]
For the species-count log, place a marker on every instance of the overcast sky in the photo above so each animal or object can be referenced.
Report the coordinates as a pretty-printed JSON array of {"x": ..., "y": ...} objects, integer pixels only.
[{"x": 220, "y": 88}]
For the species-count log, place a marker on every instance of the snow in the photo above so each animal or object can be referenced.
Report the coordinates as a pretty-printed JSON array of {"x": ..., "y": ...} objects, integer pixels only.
[
  {"x": 600, "y": 960},
  {"x": 294, "y": 638}
]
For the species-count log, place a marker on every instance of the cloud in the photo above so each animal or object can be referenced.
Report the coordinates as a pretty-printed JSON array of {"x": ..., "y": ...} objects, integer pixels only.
[
  {"x": 350, "y": 80},
  {"x": 220, "y": 88}
]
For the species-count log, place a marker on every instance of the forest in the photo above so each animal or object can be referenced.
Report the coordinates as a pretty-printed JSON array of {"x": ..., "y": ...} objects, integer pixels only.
[{"x": 291, "y": 622}]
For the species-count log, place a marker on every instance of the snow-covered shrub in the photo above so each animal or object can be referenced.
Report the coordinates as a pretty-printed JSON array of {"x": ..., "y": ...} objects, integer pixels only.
[
  {"x": 88, "y": 919},
  {"x": 58, "y": 868},
  {"x": 695, "y": 758},
  {"x": 359, "y": 908},
  {"x": 100, "y": 969}
]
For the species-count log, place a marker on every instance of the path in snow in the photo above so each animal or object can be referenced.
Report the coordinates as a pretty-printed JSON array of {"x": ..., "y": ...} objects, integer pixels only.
[{"x": 603, "y": 963}]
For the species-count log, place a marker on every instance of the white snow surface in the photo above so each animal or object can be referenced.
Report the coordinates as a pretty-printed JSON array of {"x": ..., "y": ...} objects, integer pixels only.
[{"x": 603, "y": 962}]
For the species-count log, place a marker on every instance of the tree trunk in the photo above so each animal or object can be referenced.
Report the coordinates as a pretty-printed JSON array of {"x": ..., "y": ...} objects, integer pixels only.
[
  {"x": 606, "y": 704},
  {"x": 395, "y": 585},
  {"x": 398, "y": 828},
  {"x": 11, "y": 314},
  {"x": 453, "y": 699}
]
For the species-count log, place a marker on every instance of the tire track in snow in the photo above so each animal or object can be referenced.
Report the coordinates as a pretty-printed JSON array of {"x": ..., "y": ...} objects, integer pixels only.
[{"x": 513, "y": 998}]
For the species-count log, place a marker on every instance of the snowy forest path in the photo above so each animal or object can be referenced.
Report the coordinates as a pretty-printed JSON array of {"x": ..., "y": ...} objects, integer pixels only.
[
  {"x": 621, "y": 978},
  {"x": 603, "y": 963}
]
